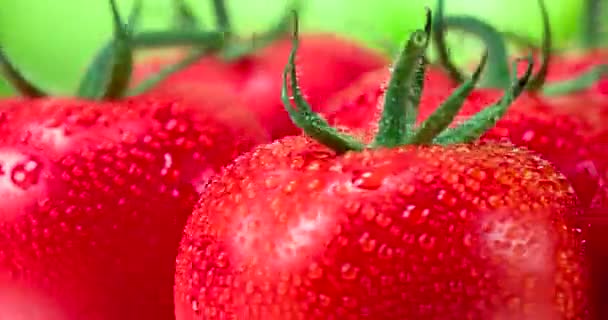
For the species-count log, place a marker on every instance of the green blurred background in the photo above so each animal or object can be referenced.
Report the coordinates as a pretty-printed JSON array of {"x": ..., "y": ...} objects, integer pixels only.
[{"x": 52, "y": 41}]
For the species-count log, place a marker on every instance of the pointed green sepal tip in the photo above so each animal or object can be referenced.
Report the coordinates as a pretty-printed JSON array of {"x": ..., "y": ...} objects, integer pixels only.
[
  {"x": 479, "y": 123},
  {"x": 404, "y": 90},
  {"x": 302, "y": 116},
  {"x": 184, "y": 17},
  {"x": 109, "y": 74},
  {"x": 578, "y": 83},
  {"x": 537, "y": 81},
  {"x": 17, "y": 80}
]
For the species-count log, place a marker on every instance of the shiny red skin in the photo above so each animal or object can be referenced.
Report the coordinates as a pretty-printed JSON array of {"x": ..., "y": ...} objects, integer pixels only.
[
  {"x": 96, "y": 195},
  {"x": 571, "y": 132},
  {"x": 566, "y": 65},
  {"x": 292, "y": 231},
  {"x": 327, "y": 63},
  {"x": 572, "y": 137},
  {"x": 351, "y": 106}
]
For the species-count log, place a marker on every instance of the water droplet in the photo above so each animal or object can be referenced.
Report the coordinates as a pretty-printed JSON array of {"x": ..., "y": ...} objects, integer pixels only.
[
  {"x": 383, "y": 220},
  {"x": 385, "y": 252},
  {"x": 528, "y": 136},
  {"x": 282, "y": 288},
  {"x": 428, "y": 178},
  {"x": 324, "y": 300},
  {"x": 249, "y": 287},
  {"x": 494, "y": 201},
  {"x": 171, "y": 124},
  {"x": 349, "y": 272},
  {"x": 367, "y": 244},
  {"x": 467, "y": 240},
  {"x": 407, "y": 190},
  {"x": 222, "y": 260},
  {"x": 368, "y": 180},
  {"x": 315, "y": 271},
  {"x": 314, "y": 184},
  {"x": 426, "y": 241},
  {"x": 25, "y": 175},
  {"x": 368, "y": 212}
]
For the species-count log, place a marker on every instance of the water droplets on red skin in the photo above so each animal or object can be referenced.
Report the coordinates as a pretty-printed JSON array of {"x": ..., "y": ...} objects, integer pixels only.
[
  {"x": 381, "y": 234},
  {"x": 572, "y": 138},
  {"x": 100, "y": 193},
  {"x": 326, "y": 64}
]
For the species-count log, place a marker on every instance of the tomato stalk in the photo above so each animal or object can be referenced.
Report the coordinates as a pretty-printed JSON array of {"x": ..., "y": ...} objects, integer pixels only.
[
  {"x": 397, "y": 123},
  {"x": 230, "y": 48},
  {"x": 498, "y": 71},
  {"x": 108, "y": 76},
  {"x": 592, "y": 26}
]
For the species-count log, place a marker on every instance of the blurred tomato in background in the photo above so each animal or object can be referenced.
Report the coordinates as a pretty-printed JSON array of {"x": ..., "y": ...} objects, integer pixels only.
[{"x": 53, "y": 41}]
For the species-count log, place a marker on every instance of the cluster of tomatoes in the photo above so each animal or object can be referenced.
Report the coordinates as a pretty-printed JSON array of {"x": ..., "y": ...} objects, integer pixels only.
[{"x": 306, "y": 177}]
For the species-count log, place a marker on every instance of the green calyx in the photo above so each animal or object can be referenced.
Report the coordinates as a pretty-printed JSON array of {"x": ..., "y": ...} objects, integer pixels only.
[
  {"x": 397, "y": 125},
  {"x": 188, "y": 33},
  {"x": 108, "y": 76},
  {"x": 497, "y": 75}
]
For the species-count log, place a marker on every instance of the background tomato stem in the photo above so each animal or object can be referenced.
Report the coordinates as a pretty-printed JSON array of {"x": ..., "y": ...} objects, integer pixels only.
[
  {"x": 592, "y": 23},
  {"x": 184, "y": 17},
  {"x": 221, "y": 15},
  {"x": 538, "y": 80},
  {"x": 18, "y": 80}
]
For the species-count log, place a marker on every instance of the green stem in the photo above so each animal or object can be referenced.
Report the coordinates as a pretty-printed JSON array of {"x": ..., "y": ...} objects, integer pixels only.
[
  {"x": 109, "y": 75},
  {"x": 394, "y": 123},
  {"x": 538, "y": 80},
  {"x": 238, "y": 50},
  {"x": 497, "y": 73},
  {"x": 171, "y": 38},
  {"x": 443, "y": 116},
  {"x": 221, "y": 15},
  {"x": 165, "y": 73},
  {"x": 487, "y": 118},
  {"x": 311, "y": 123},
  {"x": 18, "y": 80},
  {"x": 579, "y": 83},
  {"x": 439, "y": 35},
  {"x": 120, "y": 74},
  {"x": 591, "y": 23},
  {"x": 522, "y": 41},
  {"x": 184, "y": 17}
]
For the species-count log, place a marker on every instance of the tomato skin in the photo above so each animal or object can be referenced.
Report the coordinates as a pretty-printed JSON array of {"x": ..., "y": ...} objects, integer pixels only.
[
  {"x": 328, "y": 64},
  {"x": 100, "y": 192},
  {"x": 293, "y": 231}
]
